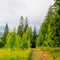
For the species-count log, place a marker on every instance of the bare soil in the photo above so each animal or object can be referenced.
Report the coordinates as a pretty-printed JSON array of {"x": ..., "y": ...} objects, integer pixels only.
[{"x": 37, "y": 54}]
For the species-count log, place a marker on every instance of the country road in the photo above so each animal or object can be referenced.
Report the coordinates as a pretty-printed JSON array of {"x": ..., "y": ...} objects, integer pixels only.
[{"x": 37, "y": 54}]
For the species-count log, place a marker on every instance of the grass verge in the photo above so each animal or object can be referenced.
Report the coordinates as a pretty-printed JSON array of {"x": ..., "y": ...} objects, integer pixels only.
[
  {"x": 16, "y": 54},
  {"x": 52, "y": 53}
]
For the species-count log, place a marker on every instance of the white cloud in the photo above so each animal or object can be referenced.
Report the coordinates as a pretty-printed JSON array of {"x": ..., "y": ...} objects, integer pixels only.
[{"x": 35, "y": 10}]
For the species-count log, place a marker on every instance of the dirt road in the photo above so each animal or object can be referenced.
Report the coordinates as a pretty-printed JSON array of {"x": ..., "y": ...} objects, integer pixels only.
[{"x": 37, "y": 54}]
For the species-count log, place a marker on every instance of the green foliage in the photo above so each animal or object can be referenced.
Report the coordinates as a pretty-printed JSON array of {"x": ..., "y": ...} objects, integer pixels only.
[
  {"x": 18, "y": 42},
  {"x": 15, "y": 41},
  {"x": 25, "y": 43},
  {"x": 29, "y": 35},
  {"x": 26, "y": 24},
  {"x": 1, "y": 43},
  {"x": 52, "y": 53},
  {"x": 6, "y": 31},
  {"x": 34, "y": 37},
  {"x": 26, "y": 38},
  {"x": 50, "y": 29},
  {"x": 16, "y": 54},
  {"x": 20, "y": 27},
  {"x": 19, "y": 31},
  {"x": 11, "y": 38}
]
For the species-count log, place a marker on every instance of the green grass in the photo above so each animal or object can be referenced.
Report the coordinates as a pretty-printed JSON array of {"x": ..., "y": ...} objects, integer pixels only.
[
  {"x": 52, "y": 53},
  {"x": 16, "y": 54}
]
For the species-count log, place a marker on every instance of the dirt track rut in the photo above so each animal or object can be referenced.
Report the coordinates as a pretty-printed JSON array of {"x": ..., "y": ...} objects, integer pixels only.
[{"x": 37, "y": 54}]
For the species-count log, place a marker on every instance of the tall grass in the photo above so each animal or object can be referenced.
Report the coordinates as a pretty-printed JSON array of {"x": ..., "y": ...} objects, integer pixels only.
[
  {"x": 16, "y": 54},
  {"x": 52, "y": 53}
]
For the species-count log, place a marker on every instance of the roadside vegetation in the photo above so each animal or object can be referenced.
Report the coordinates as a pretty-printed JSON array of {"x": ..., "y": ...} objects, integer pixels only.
[
  {"x": 15, "y": 54},
  {"x": 51, "y": 53}
]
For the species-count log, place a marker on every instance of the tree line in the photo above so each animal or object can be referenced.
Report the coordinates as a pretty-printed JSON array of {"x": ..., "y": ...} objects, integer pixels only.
[
  {"x": 50, "y": 29},
  {"x": 48, "y": 36},
  {"x": 24, "y": 37}
]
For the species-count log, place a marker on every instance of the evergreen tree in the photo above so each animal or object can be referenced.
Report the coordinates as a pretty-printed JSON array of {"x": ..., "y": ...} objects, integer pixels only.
[
  {"x": 26, "y": 24},
  {"x": 41, "y": 36},
  {"x": 50, "y": 29},
  {"x": 25, "y": 42},
  {"x": 55, "y": 24},
  {"x": 26, "y": 39},
  {"x": 1, "y": 43},
  {"x": 18, "y": 42},
  {"x": 19, "y": 32},
  {"x": 47, "y": 40},
  {"x": 6, "y": 31},
  {"x": 10, "y": 39},
  {"x": 29, "y": 35},
  {"x": 34, "y": 37},
  {"x": 20, "y": 27}
]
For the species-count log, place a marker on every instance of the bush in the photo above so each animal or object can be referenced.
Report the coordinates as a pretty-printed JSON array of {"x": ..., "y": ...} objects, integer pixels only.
[
  {"x": 11, "y": 37},
  {"x": 1, "y": 43}
]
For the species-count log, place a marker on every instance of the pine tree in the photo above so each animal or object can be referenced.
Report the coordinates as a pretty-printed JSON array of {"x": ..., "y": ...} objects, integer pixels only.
[
  {"x": 20, "y": 27},
  {"x": 50, "y": 29},
  {"x": 25, "y": 44},
  {"x": 10, "y": 40},
  {"x": 26, "y": 39},
  {"x": 29, "y": 35},
  {"x": 34, "y": 37},
  {"x": 26, "y": 24},
  {"x": 18, "y": 42},
  {"x": 6, "y": 31},
  {"x": 34, "y": 33},
  {"x": 1, "y": 43},
  {"x": 47, "y": 35},
  {"x": 55, "y": 24}
]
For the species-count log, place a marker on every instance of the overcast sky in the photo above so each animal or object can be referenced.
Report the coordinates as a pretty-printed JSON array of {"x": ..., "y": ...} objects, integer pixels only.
[{"x": 35, "y": 10}]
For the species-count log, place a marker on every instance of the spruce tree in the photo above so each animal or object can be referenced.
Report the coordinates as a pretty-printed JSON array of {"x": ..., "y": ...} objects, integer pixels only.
[
  {"x": 20, "y": 27},
  {"x": 34, "y": 37},
  {"x": 10, "y": 40},
  {"x": 29, "y": 35},
  {"x": 50, "y": 29},
  {"x": 26, "y": 24},
  {"x": 6, "y": 31},
  {"x": 55, "y": 24}
]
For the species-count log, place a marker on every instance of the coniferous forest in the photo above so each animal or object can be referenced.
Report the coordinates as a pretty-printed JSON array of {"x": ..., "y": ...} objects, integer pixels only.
[{"x": 23, "y": 42}]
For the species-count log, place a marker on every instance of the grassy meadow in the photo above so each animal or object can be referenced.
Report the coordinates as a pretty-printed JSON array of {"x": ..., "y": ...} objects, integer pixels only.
[{"x": 16, "y": 54}]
